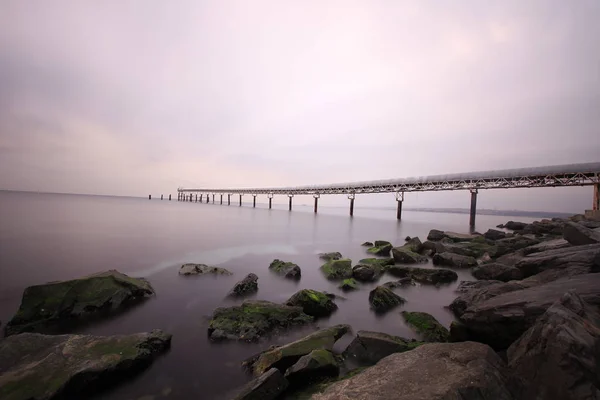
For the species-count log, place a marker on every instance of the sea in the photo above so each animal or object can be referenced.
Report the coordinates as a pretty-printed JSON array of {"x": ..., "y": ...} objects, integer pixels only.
[{"x": 50, "y": 237}]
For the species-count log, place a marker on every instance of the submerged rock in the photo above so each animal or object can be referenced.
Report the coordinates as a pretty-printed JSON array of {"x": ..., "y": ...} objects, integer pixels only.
[
  {"x": 405, "y": 255},
  {"x": 337, "y": 269},
  {"x": 383, "y": 299},
  {"x": 288, "y": 269},
  {"x": 202, "y": 269},
  {"x": 427, "y": 326},
  {"x": 336, "y": 255},
  {"x": 314, "y": 303},
  {"x": 349, "y": 284},
  {"x": 577, "y": 234},
  {"x": 268, "y": 386},
  {"x": 399, "y": 283},
  {"x": 36, "y": 366},
  {"x": 424, "y": 275},
  {"x": 55, "y": 306},
  {"x": 498, "y": 272},
  {"x": 245, "y": 287},
  {"x": 253, "y": 319},
  {"x": 316, "y": 365},
  {"x": 370, "y": 347},
  {"x": 454, "y": 260},
  {"x": 382, "y": 250}
]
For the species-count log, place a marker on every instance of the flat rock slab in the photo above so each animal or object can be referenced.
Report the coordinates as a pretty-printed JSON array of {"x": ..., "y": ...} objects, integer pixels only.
[
  {"x": 54, "y": 306},
  {"x": 498, "y": 272},
  {"x": 454, "y": 260},
  {"x": 370, "y": 347},
  {"x": 268, "y": 386},
  {"x": 578, "y": 235},
  {"x": 440, "y": 371},
  {"x": 424, "y": 275},
  {"x": 36, "y": 366},
  {"x": 202, "y": 269},
  {"x": 585, "y": 255}
]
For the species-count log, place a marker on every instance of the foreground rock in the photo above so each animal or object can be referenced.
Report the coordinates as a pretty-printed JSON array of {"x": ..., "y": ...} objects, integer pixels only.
[
  {"x": 440, "y": 371},
  {"x": 202, "y": 269},
  {"x": 285, "y": 356},
  {"x": 370, "y": 347},
  {"x": 426, "y": 326},
  {"x": 316, "y": 365},
  {"x": 546, "y": 245},
  {"x": 312, "y": 302},
  {"x": 57, "y": 306},
  {"x": 381, "y": 248},
  {"x": 367, "y": 272},
  {"x": 403, "y": 282},
  {"x": 577, "y": 234},
  {"x": 454, "y": 260},
  {"x": 337, "y": 269},
  {"x": 287, "y": 269},
  {"x": 558, "y": 357},
  {"x": 498, "y": 272},
  {"x": 36, "y": 366},
  {"x": 268, "y": 386},
  {"x": 348, "y": 285},
  {"x": 335, "y": 255},
  {"x": 253, "y": 319},
  {"x": 424, "y": 275},
  {"x": 383, "y": 299},
  {"x": 586, "y": 256},
  {"x": 245, "y": 287},
  {"x": 405, "y": 255}
]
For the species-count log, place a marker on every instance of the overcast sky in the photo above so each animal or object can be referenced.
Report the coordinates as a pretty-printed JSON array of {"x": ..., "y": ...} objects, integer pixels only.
[{"x": 138, "y": 97}]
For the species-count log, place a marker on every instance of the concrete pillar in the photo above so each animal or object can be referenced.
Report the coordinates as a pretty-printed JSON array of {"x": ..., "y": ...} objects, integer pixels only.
[
  {"x": 290, "y": 205},
  {"x": 207, "y": 197},
  {"x": 149, "y": 197},
  {"x": 240, "y": 200},
  {"x": 254, "y": 201},
  {"x": 200, "y": 198},
  {"x": 351, "y": 197},
  {"x": 213, "y": 198},
  {"x": 270, "y": 196},
  {"x": 316, "y": 196},
  {"x": 169, "y": 197},
  {"x": 596, "y": 205},
  {"x": 473, "y": 207},
  {"x": 161, "y": 196},
  {"x": 221, "y": 198},
  {"x": 228, "y": 199},
  {"x": 399, "y": 200}
]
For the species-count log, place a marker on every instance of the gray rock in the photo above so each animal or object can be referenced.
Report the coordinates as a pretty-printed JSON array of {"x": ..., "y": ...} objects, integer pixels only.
[
  {"x": 202, "y": 269},
  {"x": 268, "y": 386},
  {"x": 498, "y": 272},
  {"x": 318, "y": 364},
  {"x": 558, "y": 357},
  {"x": 559, "y": 259},
  {"x": 474, "y": 248},
  {"x": 383, "y": 299},
  {"x": 381, "y": 262},
  {"x": 414, "y": 244},
  {"x": 426, "y": 326},
  {"x": 514, "y": 243},
  {"x": 337, "y": 269},
  {"x": 314, "y": 303},
  {"x": 454, "y": 260},
  {"x": 553, "y": 244},
  {"x": 435, "y": 235},
  {"x": 406, "y": 239},
  {"x": 367, "y": 272},
  {"x": 460, "y": 237},
  {"x": 400, "y": 283},
  {"x": 287, "y": 269},
  {"x": 472, "y": 293},
  {"x": 494, "y": 234},
  {"x": 336, "y": 255},
  {"x": 370, "y": 347},
  {"x": 515, "y": 226},
  {"x": 36, "y": 366},
  {"x": 379, "y": 243},
  {"x": 405, "y": 255},
  {"x": 578, "y": 235},
  {"x": 424, "y": 275},
  {"x": 382, "y": 250},
  {"x": 436, "y": 371},
  {"x": 367, "y": 244},
  {"x": 245, "y": 287}
]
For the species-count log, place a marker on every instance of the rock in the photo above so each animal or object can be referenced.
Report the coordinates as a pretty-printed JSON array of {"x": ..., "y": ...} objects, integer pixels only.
[
  {"x": 370, "y": 347},
  {"x": 498, "y": 272},
  {"x": 336, "y": 255},
  {"x": 383, "y": 250},
  {"x": 348, "y": 285},
  {"x": 430, "y": 246},
  {"x": 494, "y": 234},
  {"x": 54, "y": 307},
  {"x": 406, "y": 239},
  {"x": 337, "y": 269},
  {"x": 285, "y": 356},
  {"x": 558, "y": 357},
  {"x": 382, "y": 262},
  {"x": 312, "y": 302},
  {"x": 367, "y": 244},
  {"x": 36, "y": 366},
  {"x": 379, "y": 243},
  {"x": 472, "y": 293},
  {"x": 414, "y": 245},
  {"x": 577, "y": 234},
  {"x": 546, "y": 245},
  {"x": 426, "y": 326},
  {"x": 500, "y": 226},
  {"x": 460, "y": 237},
  {"x": 406, "y": 256},
  {"x": 454, "y": 260},
  {"x": 202, "y": 269},
  {"x": 513, "y": 243},
  {"x": 559, "y": 259},
  {"x": 245, "y": 287},
  {"x": 367, "y": 272},
  {"x": 383, "y": 299},
  {"x": 316, "y": 365},
  {"x": 474, "y": 248},
  {"x": 515, "y": 226},
  {"x": 544, "y": 227},
  {"x": 458, "y": 332},
  {"x": 436, "y": 371},
  {"x": 435, "y": 235},
  {"x": 253, "y": 319},
  {"x": 399, "y": 283},
  {"x": 424, "y": 275},
  {"x": 500, "y": 320},
  {"x": 268, "y": 386},
  {"x": 287, "y": 269}
]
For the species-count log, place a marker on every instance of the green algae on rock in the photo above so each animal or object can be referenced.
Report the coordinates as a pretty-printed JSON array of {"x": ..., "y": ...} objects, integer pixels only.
[
  {"x": 50, "y": 307},
  {"x": 426, "y": 326},
  {"x": 334, "y": 255},
  {"x": 314, "y": 303},
  {"x": 253, "y": 319},
  {"x": 383, "y": 299},
  {"x": 288, "y": 269},
  {"x": 202, "y": 269},
  {"x": 349, "y": 284},
  {"x": 382, "y": 262},
  {"x": 337, "y": 269},
  {"x": 381, "y": 248}
]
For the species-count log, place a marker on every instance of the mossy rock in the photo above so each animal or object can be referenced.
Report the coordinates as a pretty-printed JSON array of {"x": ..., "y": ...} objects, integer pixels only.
[
  {"x": 335, "y": 255},
  {"x": 424, "y": 275},
  {"x": 367, "y": 244},
  {"x": 383, "y": 250},
  {"x": 405, "y": 255},
  {"x": 55, "y": 306},
  {"x": 367, "y": 272},
  {"x": 245, "y": 287},
  {"x": 315, "y": 366},
  {"x": 202, "y": 269},
  {"x": 379, "y": 243},
  {"x": 383, "y": 262},
  {"x": 253, "y": 319},
  {"x": 314, "y": 303},
  {"x": 349, "y": 284},
  {"x": 337, "y": 269},
  {"x": 288, "y": 269},
  {"x": 383, "y": 299},
  {"x": 426, "y": 326},
  {"x": 370, "y": 347}
]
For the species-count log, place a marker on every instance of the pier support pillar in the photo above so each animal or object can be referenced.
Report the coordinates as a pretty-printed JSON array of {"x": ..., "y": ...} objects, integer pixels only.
[
  {"x": 161, "y": 196},
  {"x": 596, "y": 205},
  {"x": 207, "y": 198},
  {"x": 149, "y": 197},
  {"x": 191, "y": 198},
  {"x": 241, "y": 200},
  {"x": 290, "y": 204},
  {"x": 399, "y": 200},
  {"x": 316, "y": 196},
  {"x": 254, "y": 201},
  {"x": 473, "y": 207},
  {"x": 228, "y": 199},
  {"x": 213, "y": 198},
  {"x": 351, "y": 196},
  {"x": 200, "y": 198},
  {"x": 270, "y": 196},
  {"x": 221, "y": 199},
  {"x": 169, "y": 197}
]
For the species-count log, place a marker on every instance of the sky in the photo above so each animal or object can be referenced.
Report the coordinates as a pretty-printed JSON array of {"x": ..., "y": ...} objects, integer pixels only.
[{"x": 139, "y": 97}]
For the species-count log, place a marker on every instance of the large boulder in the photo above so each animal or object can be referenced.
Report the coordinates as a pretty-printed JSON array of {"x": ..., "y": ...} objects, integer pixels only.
[
  {"x": 36, "y": 366},
  {"x": 245, "y": 287},
  {"x": 494, "y": 234},
  {"x": 337, "y": 269},
  {"x": 553, "y": 244},
  {"x": 585, "y": 256},
  {"x": 286, "y": 268},
  {"x": 312, "y": 302},
  {"x": 474, "y": 292},
  {"x": 454, "y": 260},
  {"x": 383, "y": 249},
  {"x": 268, "y": 386},
  {"x": 370, "y": 347},
  {"x": 558, "y": 357},
  {"x": 498, "y": 272},
  {"x": 414, "y": 244},
  {"x": 436, "y": 371},
  {"x": 577, "y": 234},
  {"x": 55, "y": 307},
  {"x": 285, "y": 356},
  {"x": 253, "y": 319},
  {"x": 367, "y": 272},
  {"x": 544, "y": 227},
  {"x": 424, "y": 275},
  {"x": 515, "y": 225},
  {"x": 335, "y": 255},
  {"x": 500, "y": 320},
  {"x": 461, "y": 237},
  {"x": 511, "y": 244},
  {"x": 426, "y": 326},
  {"x": 202, "y": 269},
  {"x": 405, "y": 255},
  {"x": 316, "y": 365},
  {"x": 435, "y": 235},
  {"x": 383, "y": 299}
]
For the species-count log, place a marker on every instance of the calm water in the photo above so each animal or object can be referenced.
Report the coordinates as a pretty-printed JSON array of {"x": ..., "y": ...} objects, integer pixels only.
[{"x": 46, "y": 237}]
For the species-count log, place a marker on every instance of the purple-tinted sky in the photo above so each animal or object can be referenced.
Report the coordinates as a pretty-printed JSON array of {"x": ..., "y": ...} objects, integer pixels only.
[{"x": 137, "y": 97}]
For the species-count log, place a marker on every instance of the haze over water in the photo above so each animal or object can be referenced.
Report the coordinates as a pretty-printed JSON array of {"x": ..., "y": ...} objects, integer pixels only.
[{"x": 47, "y": 237}]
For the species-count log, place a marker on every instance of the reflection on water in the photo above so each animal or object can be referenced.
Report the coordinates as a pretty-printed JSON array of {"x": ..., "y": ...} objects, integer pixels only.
[{"x": 53, "y": 237}]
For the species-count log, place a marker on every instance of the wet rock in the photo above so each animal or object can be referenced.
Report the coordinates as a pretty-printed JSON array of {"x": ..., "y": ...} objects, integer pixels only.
[
  {"x": 515, "y": 225},
  {"x": 426, "y": 326},
  {"x": 337, "y": 269},
  {"x": 458, "y": 332},
  {"x": 512, "y": 244},
  {"x": 405, "y": 255},
  {"x": 424, "y": 275},
  {"x": 472, "y": 293},
  {"x": 370, "y": 347},
  {"x": 253, "y": 319},
  {"x": 312, "y": 302},
  {"x": 406, "y": 239},
  {"x": 59, "y": 305},
  {"x": 379, "y": 243},
  {"x": 382, "y": 262},
  {"x": 454, "y": 260},
  {"x": 474, "y": 248},
  {"x": 285, "y": 356},
  {"x": 399, "y": 283},
  {"x": 336, "y": 255},
  {"x": 430, "y": 247},
  {"x": 268, "y": 386},
  {"x": 316, "y": 365},
  {"x": 367, "y": 272},
  {"x": 561, "y": 258},
  {"x": 245, "y": 287},
  {"x": 382, "y": 250},
  {"x": 367, "y": 244},
  {"x": 546, "y": 245},
  {"x": 577, "y": 234},
  {"x": 558, "y": 357},
  {"x": 435, "y": 235},
  {"x": 36, "y": 366},
  {"x": 349, "y": 284},
  {"x": 383, "y": 299},
  {"x": 498, "y": 272},
  {"x": 494, "y": 234},
  {"x": 202, "y": 269},
  {"x": 414, "y": 245},
  {"x": 460, "y": 237},
  {"x": 544, "y": 227},
  {"x": 287, "y": 269},
  {"x": 465, "y": 370}
]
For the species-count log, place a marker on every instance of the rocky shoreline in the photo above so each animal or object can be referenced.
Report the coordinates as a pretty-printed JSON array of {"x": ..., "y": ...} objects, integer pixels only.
[{"x": 528, "y": 327}]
